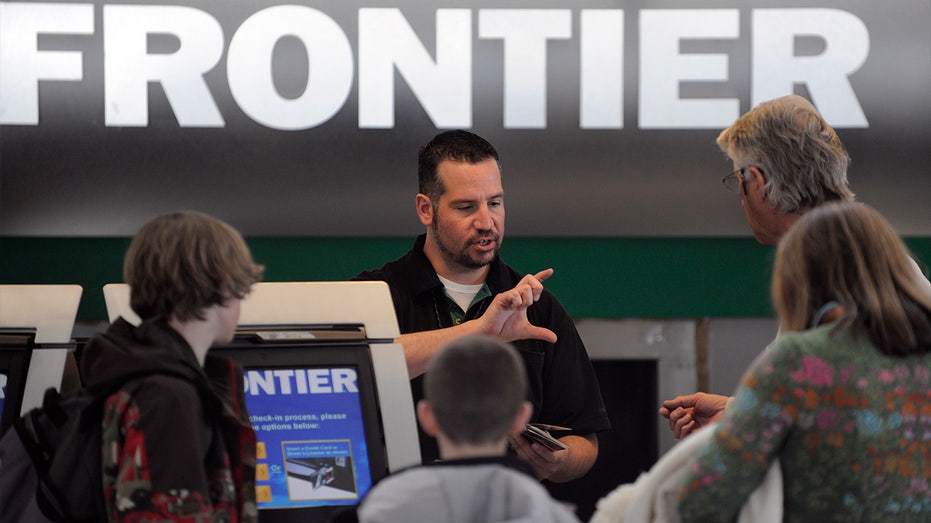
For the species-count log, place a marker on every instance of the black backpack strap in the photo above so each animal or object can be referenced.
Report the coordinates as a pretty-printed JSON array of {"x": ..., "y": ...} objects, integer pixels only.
[
  {"x": 32, "y": 435},
  {"x": 34, "y": 442},
  {"x": 51, "y": 403}
]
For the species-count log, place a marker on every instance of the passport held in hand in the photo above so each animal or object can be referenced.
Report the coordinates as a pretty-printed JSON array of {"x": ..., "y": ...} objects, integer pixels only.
[{"x": 539, "y": 432}]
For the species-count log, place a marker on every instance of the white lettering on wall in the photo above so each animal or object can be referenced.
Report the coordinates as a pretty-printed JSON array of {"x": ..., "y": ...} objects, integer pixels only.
[
  {"x": 22, "y": 65},
  {"x": 776, "y": 68},
  {"x": 441, "y": 81},
  {"x": 601, "y": 69},
  {"x": 128, "y": 67},
  {"x": 663, "y": 67},
  {"x": 525, "y": 33},
  {"x": 443, "y": 86},
  {"x": 249, "y": 67}
]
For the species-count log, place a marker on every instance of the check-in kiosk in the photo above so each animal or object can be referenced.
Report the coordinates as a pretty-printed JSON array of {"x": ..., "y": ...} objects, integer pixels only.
[
  {"x": 327, "y": 390},
  {"x": 36, "y": 322}
]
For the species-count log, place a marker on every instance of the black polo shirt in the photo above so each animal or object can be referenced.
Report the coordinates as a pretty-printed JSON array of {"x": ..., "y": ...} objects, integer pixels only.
[{"x": 562, "y": 384}]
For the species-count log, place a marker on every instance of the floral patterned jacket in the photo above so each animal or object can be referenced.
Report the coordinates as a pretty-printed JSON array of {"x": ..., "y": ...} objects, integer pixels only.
[{"x": 851, "y": 428}]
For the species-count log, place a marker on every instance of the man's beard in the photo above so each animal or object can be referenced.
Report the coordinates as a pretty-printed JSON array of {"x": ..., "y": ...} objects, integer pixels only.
[{"x": 463, "y": 257}]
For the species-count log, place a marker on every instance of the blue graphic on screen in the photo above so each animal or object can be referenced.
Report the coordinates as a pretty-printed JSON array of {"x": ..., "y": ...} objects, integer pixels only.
[{"x": 311, "y": 446}]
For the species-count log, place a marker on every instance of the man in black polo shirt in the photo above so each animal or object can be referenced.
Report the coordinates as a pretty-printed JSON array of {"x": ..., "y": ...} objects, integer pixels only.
[{"x": 452, "y": 283}]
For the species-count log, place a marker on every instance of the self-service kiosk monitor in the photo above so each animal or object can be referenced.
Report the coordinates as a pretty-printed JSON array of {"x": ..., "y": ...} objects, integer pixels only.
[
  {"x": 16, "y": 346},
  {"x": 35, "y": 336},
  {"x": 327, "y": 391}
]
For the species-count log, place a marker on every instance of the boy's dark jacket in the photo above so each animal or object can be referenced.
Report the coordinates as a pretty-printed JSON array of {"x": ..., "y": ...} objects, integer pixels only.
[{"x": 177, "y": 444}]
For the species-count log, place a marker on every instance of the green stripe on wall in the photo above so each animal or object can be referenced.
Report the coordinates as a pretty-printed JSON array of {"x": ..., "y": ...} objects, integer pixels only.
[{"x": 595, "y": 277}]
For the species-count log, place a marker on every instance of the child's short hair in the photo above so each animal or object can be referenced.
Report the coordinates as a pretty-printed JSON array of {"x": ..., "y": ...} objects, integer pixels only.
[
  {"x": 475, "y": 387},
  {"x": 181, "y": 263}
]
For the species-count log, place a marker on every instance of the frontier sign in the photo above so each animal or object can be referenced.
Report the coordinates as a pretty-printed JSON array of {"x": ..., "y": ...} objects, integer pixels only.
[{"x": 440, "y": 76}]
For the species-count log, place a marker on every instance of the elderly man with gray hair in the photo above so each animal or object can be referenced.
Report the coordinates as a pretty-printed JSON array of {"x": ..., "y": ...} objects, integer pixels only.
[{"x": 787, "y": 161}]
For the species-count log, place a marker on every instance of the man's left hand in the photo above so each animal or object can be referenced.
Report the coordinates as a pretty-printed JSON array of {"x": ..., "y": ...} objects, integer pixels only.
[{"x": 545, "y": 462}]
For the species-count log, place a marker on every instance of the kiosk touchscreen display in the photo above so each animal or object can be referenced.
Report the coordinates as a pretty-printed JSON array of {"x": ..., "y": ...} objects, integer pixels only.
[
  {"x": 15, "y": 352},
  {"x": 314, "y": 407}
]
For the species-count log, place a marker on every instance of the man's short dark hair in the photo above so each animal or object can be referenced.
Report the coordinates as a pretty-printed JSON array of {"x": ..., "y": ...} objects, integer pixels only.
[{"x": 458, "y": 146}]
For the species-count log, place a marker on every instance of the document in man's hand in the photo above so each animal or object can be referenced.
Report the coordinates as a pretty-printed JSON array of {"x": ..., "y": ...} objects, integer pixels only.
[{"x": 539, "y": 432}]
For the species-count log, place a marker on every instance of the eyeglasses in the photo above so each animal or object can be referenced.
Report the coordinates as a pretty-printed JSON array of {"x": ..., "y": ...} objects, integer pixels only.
[{"x": 732, "y": 181}]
